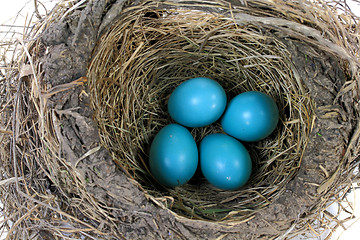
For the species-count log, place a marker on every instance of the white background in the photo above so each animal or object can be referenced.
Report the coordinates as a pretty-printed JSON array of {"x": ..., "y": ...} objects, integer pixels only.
[{"x": 14, "y": 12}]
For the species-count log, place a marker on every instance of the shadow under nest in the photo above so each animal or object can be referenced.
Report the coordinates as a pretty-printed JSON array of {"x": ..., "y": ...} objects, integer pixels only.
[{"x": 81, "y": 121}]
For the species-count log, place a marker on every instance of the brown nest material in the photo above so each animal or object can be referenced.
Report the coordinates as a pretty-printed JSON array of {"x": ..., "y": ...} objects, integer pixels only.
[
  {"x": 136, "y": 67},
  {"x": 90, "y": 88}
]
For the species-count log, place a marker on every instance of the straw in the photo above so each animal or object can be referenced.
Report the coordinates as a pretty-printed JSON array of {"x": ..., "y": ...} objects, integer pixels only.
[{"x": 141, "y": 55}]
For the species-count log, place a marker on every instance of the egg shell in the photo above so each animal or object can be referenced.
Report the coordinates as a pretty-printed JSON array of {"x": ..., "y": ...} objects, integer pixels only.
[
  {"x": 224, "y": 161},
  {"x": 197, "y": 102},
  {"x": 173, "y": 157},
  {"x": 250, "y": 116}
]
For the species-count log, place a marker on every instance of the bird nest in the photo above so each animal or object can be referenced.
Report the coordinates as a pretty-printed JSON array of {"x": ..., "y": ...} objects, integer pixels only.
[
  {"x": 91, "y": 91},
  {"x": 148, "y": 52}
]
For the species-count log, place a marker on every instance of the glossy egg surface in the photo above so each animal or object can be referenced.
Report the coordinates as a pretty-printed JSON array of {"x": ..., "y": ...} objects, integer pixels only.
[
  {"x": 197, "y": 102},
  {"x": 173, "y": 157},
  {"x": 224, "y": 161},
  {"x": 250, "y": 116}
]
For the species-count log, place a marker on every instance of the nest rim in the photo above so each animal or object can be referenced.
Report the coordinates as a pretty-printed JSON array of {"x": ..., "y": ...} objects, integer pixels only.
[{"x": 259, "y": 58}]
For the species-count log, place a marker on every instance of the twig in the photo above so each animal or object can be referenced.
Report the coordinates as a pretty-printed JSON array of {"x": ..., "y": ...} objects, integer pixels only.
[
  {"x": 38, "y": 15},
  {"x": 90, "y": 228},
  {"x": 10, "y": 180}
]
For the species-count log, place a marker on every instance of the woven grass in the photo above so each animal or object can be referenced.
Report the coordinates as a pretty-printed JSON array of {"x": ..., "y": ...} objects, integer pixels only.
[{"x": 139, "y": 59}]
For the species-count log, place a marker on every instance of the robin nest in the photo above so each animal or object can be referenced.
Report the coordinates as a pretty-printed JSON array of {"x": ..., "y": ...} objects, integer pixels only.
[{"x": 89, "y": 92}]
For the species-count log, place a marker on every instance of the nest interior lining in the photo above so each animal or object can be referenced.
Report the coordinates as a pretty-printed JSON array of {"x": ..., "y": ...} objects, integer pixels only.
[{"x": 138, "y": 63}]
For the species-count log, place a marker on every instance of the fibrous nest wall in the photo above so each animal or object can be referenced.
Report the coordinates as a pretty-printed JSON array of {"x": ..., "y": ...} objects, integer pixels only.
[
  {"x": 148, "y": 52},
  {"x": 89, "y": 89}
]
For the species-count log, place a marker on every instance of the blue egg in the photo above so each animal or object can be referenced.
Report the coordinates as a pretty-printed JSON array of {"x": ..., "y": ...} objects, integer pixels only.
[
  {"x": 173, "y": 157},
  {"x": 197, "y": 102},
  {"x": 224, "y": 161},
  {"x": 250, "y": 116}
]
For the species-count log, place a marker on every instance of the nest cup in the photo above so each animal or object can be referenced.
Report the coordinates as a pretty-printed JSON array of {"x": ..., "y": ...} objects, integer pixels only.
[{"x": 148, "y": 52}]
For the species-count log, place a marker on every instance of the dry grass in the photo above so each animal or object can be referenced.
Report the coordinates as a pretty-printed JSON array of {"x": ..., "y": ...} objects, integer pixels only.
[{"x": 147, "y": 54}]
